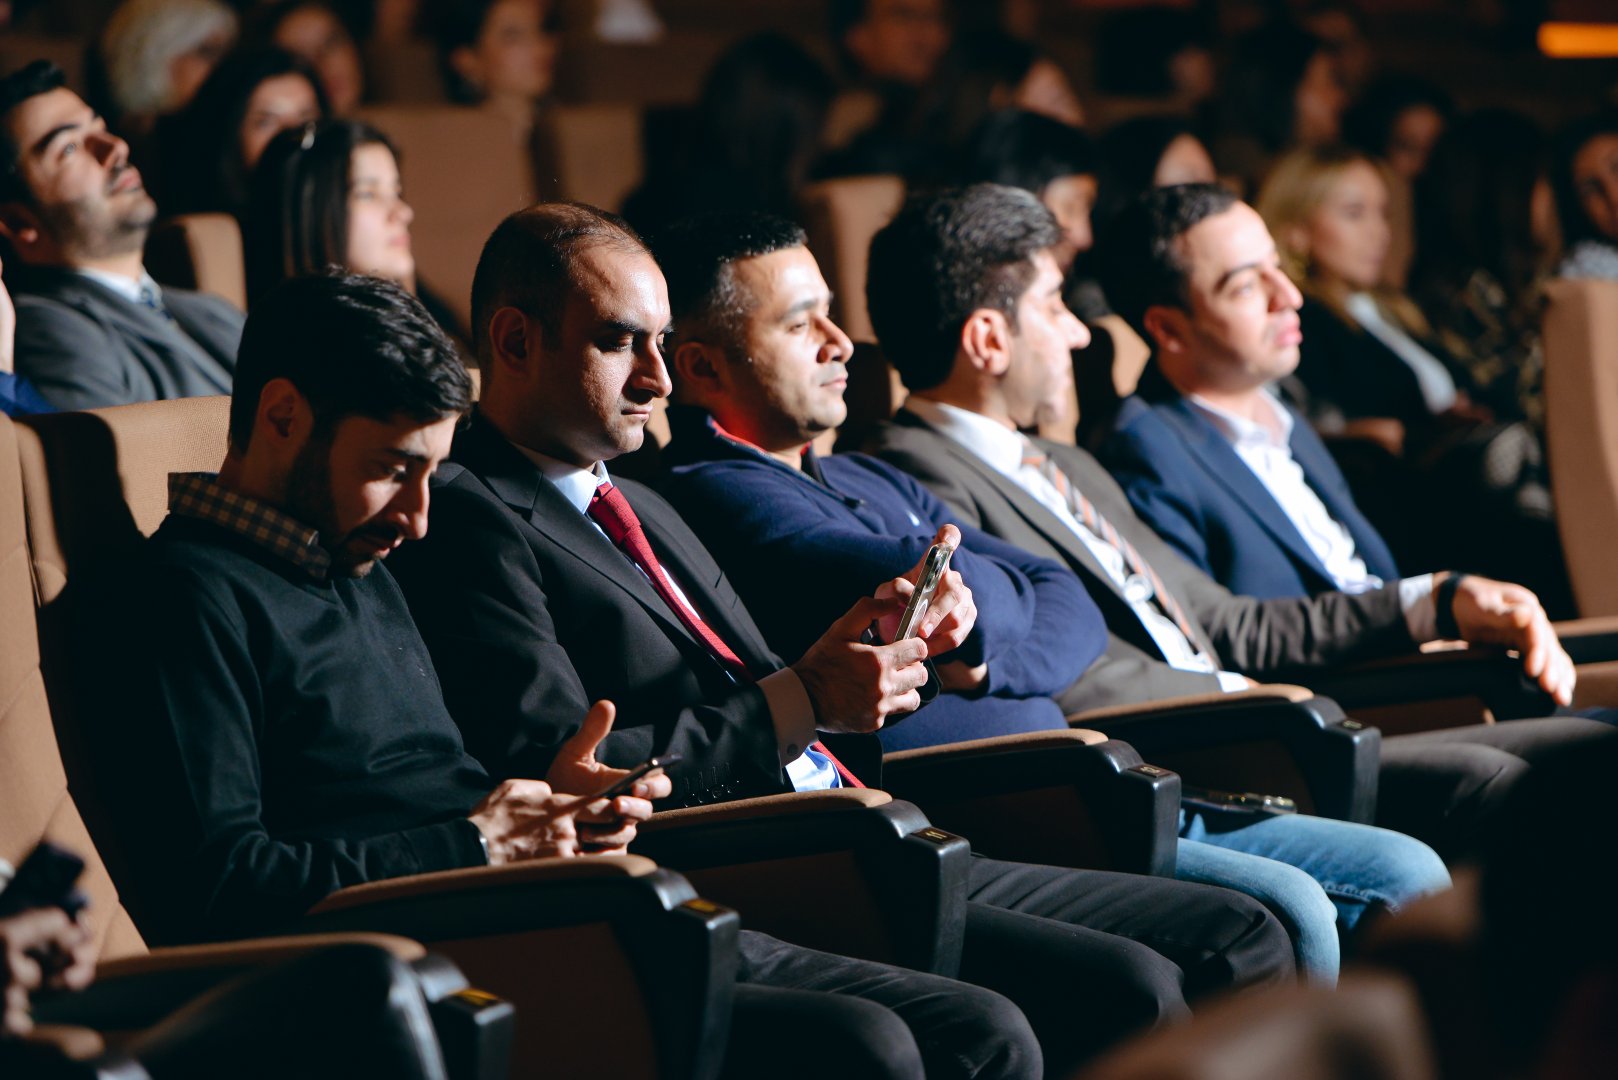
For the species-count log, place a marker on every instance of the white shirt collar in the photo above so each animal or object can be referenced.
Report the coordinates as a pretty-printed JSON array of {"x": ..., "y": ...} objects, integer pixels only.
[
  {"x": 578, "y": 486},
  {"x": 1000, "y": 446},
  {"x": 1239, "y": 430},
  {"x": 128, "y": 288}
]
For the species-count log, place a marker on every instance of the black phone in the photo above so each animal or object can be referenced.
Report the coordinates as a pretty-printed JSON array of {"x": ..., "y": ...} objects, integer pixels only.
[
  {"x": 933, "y": 568},
  {"x": 1242, "y": 801},
  {"x": 45, "y": 879},
  {"x": 673, "y": 757}
]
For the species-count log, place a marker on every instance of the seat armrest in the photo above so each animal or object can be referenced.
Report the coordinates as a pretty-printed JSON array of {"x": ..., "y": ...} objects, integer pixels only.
[
  {"x": 1276, "y": 740},
  {"x": 849, "y": 870},
  {"x": 1073, "y": 798},
  {"x": 1590, "y": 641},
  {"x": 1447, "y": 684},
  {"x": 613, "y": 928}
]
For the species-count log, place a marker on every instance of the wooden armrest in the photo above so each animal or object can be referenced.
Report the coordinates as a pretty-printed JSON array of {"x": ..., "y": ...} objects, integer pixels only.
[
  {"x": 1450, "y": 682},
  {"x": 477, "y": 878},
  {"x": 1590, "y": 641},
  {"x": 242, "y": 954},
  {"x": 1160, "y": 706},
  {"x": 1029, "y": 740},
  {"x": 789, "y": 804}
]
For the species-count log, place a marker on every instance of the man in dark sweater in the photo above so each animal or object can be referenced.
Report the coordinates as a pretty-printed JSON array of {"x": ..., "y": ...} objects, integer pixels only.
[{"x": 273, "y": 729}]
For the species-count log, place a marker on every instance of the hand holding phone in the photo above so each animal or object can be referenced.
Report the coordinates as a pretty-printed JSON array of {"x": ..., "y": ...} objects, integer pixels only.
[
  {"x": 934, "y": 566},
  {"x": 623, "y": 786}
]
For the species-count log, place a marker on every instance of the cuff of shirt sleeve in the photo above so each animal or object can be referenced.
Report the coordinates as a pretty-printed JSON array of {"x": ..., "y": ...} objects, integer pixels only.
[
  {"x": 1231, "y": 681},
  {"x": 1419, "y": 607},
  {"x": 791, "y": 711}
]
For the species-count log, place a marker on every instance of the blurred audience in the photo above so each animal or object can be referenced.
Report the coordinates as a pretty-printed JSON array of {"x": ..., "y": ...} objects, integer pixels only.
[
  {"x": 1156, "y": 52},
  {"x": 1143, "y": 153},
  {"x": 154, "y": 55},
  {"x": 1584, "y": 178},
  {"x": 315, "y": 32},
  {"x": 209, "y": 150},
  {"x": 326, "y": 195},
  {"x": 750, "y": 141},
  {"x": 500, "y": 54},
  {"x": 1399, "y": 119},
  {"x": 1281, "y": 89},
  {"x": 1486, "y": 228},
  {"x": 93, "y": 328}
]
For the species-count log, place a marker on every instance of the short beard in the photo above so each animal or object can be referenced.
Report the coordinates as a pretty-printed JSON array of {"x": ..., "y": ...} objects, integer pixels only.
[
  {"x": 84, "y": 233},
  {"x": 309, "y": 500}
]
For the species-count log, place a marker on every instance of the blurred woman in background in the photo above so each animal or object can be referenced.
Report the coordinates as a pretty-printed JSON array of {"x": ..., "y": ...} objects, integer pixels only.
[
  {"x": 152, "y": 58},
  {"x": 208, "y": 151},
  {"x": 1584, "y": 179}
]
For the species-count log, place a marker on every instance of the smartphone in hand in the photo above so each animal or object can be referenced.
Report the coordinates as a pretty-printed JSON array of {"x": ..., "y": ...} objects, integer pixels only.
[
  {"x": 933, "y": 568},
  {"x": 622, "y": 787}
]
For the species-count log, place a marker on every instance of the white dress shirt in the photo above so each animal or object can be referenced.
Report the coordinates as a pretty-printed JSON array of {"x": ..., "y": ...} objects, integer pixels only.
[
  {"x": 1266, "y": 449},
  {"x": 1003, "y": 450},
  {"x": 791, "y": 711},
  {"x": 143, "y": 290}
]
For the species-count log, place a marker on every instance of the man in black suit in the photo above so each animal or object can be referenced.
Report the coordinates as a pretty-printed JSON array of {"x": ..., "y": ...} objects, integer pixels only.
[
  {"x": 536, "y": 594},
  {"x": 975, "y": 379},
  {"x": 93, "y": 328}
]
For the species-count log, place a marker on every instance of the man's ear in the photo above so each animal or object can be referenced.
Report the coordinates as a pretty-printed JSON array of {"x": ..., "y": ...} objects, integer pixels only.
[
  {"x": 19, "y": 227},
  {"x": 699, "y": 368},
  {"x": 986, "y": 341},
  {"x": 1168, "y": 327},
  {"x": 512, "y": 340},
  {"x": 283, "y": 419}
]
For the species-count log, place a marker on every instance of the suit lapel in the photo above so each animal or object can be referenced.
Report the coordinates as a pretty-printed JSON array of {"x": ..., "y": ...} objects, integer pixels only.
[
  {"x": 1220, "y": 461},
  {"x": 514, "y": 479}
]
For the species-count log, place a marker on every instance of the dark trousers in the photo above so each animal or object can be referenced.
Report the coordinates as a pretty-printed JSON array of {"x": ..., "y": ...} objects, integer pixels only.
[
  {"x": 1087, "y": 956},
  {"x": 1444, "y": 786}
]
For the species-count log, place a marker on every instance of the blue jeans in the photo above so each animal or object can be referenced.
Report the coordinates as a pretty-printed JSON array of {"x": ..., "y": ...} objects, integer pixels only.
[{"x": 1318, "y": 876}]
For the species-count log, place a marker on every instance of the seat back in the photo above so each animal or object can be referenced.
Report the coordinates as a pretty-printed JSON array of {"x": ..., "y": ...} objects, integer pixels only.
[
  {"x": 202, "y": 252},
  {"x": 67, "y": 53},
  {"x": 841, "y": 217},
  {"x": 463, "y": 171},
  {"x": 1581, "y": 433},
  {"x": 36, "y": 802},
  {"x": 595, "y": 154}
]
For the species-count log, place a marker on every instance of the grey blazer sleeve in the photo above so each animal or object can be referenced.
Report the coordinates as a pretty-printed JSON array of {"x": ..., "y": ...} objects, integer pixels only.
[
  {"x": 74, "y": 361},
  {"x": 1260, "y": 638}
]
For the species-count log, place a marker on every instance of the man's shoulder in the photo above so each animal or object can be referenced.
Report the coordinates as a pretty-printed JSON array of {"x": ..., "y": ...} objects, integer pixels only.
[{"x": 217, "y": 308}]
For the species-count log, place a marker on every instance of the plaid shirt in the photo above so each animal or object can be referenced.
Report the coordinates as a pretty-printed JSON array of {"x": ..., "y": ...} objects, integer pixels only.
[{"x": 201, "y": 496}]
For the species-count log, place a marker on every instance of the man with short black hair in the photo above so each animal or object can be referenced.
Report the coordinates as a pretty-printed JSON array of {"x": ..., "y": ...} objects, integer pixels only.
[
  {"x": 269, "y": 728},
  {"x": 93, "y": 328}
]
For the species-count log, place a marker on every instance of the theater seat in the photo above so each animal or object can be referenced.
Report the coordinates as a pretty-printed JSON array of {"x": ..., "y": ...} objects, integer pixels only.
[
  {"x": 841, "y": 216},
  {"x": 591, "y": 154},
  {"x": 201, "y": 252}
]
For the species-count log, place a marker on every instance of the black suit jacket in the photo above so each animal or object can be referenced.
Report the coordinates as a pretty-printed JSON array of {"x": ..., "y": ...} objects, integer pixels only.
[
  {"x": 531, "y": 614},
  {"x": 1266, "y": 639},
  {"x": 84, "y": 346}
]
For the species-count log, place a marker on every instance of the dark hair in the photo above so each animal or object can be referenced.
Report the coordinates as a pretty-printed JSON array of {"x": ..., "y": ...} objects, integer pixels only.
[
  {"x": 1138, "y": 259},
  {"x": 1576, "y": 224},
  {"x": 1262, "y": 79},
  {"x": 1368, "y": 125},
  {"x": 944, "y": 256},
  {"x": 528, "y": 263},
  {"x": 697, "y": 253},
  {"x": 1025, "y": 150},
  {"x": 297, "y": 210},
  {"x": 1135, "y": 48},
  {"x": 457, "y": 24},
  {"x": 353, "y": 346},
  {"x": 1128, "y": 156},
  {"x": 1474, "y": 203},
  {"x": 39, "y": 77},
  {"x": 203, "y": 169}
]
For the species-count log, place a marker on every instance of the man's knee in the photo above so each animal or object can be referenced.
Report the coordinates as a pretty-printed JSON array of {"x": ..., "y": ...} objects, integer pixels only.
[{"x": 863, "y": 1037}]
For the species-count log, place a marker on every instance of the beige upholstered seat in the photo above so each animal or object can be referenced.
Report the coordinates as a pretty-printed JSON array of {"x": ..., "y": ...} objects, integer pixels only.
[
  {"x": 1581, "y": 433},
  {"x": 202, "y": 252},
  {"x": 842, "y": 216}
]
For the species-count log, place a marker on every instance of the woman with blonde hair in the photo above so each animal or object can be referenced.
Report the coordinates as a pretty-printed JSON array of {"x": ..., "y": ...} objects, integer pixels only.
[
  {"x": 154, "y": 55},
  {"x": 1469, "y": 489}
]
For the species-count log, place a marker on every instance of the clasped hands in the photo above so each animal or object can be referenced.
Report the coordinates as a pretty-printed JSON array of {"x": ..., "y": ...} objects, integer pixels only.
[
  {"x": 558, "y": 816},
  {"x": 857, "y": 686}
]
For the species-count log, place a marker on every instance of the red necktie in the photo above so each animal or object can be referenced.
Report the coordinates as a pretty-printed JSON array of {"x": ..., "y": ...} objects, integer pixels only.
[{"x": 617, "y": 519}]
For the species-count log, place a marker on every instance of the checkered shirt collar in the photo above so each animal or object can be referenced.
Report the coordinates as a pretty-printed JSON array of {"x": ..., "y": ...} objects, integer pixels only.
[{"x": 202, "y": 496}]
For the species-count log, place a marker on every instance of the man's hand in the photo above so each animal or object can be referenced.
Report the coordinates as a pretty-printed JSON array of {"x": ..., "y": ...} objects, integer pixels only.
[
  {"x": 952, "y": 612},
  {"x": 40, "y": 947},
  {"x": 854, "y": 686},
  {"x": 8, "y": 328},
  {"x": 523, "y": 819},
  {"x": 605, "y": 827},
  {"x": 1501, "y": 613}
]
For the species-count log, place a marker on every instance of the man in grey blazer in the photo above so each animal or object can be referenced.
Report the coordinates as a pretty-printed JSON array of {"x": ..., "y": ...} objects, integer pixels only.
[
  {"x": 93, "y": 328},
  {"x": 980, "y": 335}
]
